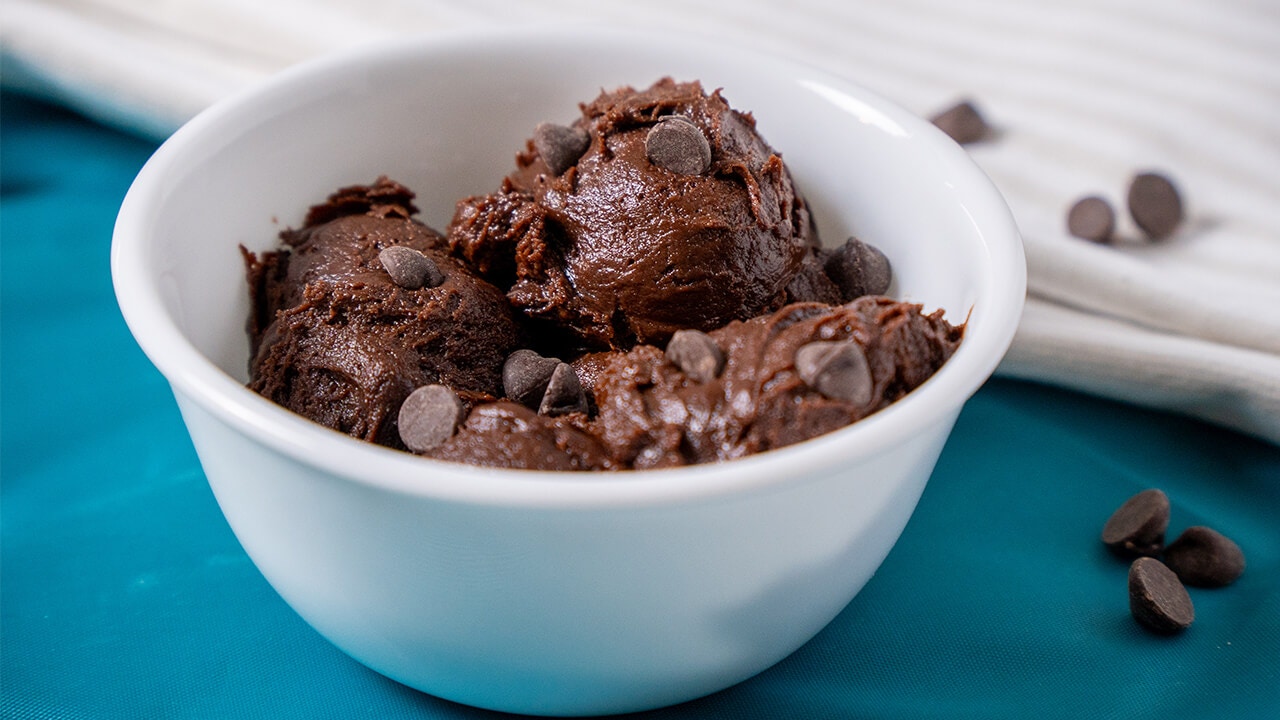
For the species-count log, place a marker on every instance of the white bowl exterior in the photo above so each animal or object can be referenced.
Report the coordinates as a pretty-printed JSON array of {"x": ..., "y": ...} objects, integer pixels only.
[
  {"x": 554, "y": 611},
  {"x": 530, "y": 592}
]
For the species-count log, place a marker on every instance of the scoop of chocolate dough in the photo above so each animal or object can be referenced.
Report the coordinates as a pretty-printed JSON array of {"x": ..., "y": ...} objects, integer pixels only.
[
  {"x": 364, "y": 305},
  {"x": 788, "y": 376},
  {"x": 656, "y": 210},
  {"x": 646, "y": 289}
]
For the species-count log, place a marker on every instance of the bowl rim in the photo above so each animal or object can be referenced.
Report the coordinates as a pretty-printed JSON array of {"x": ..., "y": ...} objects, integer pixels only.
[{"x": 997, "y": 307}]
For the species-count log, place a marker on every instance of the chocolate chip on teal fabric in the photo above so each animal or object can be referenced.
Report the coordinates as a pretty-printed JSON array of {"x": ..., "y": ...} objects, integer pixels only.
[
  {"x": 1204, "y": 557},
  {"x": 1157, "y": 599},
  {"x": 1137, "y": 527}
]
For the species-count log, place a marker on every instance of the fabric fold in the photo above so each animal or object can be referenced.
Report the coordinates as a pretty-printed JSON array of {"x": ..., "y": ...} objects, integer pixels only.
[{"x": 1228, "y": 385}]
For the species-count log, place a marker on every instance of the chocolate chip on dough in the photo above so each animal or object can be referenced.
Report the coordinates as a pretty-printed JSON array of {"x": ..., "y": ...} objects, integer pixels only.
[
  {"x": 695, "y": 353},
  {"x": 678, "y": 145},
  {"x": 525, "y": 376},
  {"x": 564, "y": 392},
  {"x": 1157, "y": 598},
  {"x": 1137, "y": 527},
  {"x": 1204, "y": 557},
  {"x": 1092, "y": 218},
  {"x": 428, "y": 417},
  {"x": 858, "y": 269},
  {"x": 560, "y": 145},
  {"x": 837, "y": 369},
  {"x": 962, "y": 122},
  {"x": 409, "y": 268},
  {"x": 1155, "y": 204}
]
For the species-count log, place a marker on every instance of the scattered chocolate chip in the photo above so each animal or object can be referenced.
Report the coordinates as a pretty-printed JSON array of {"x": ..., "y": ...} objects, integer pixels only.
[
  {"x": 525, "y": 375},
  {"x": 1157, "y": 598},
  {"x": 696, "y": 354},
  {"x": 1137, "y": 527},
  {"x": 409, "y": 268},
  {"x": 962, "y": 122},
  {"x": 428, "y": 417},
  {"x": 837, "y": 369},
  {"x": 1091, "y": 218},
  {"x": 858, "y": 269},
  {"x": 560, "y": 145},
  {"x": 678, "y": 145},
  {"x": 1204, "y": 557},
  {"x": 564, "y": 393},
  {"x": 1155, "y": 204}
]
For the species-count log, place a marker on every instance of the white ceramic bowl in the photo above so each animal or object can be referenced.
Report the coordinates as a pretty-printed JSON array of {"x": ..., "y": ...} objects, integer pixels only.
[{"x": 541, "y": 592}]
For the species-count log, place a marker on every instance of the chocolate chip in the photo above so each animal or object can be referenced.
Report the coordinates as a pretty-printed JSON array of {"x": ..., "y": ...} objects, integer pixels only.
[
  {"x": 564, "y": 393},
  {"x": 1204, "y": 557},
  {"x": 1156, "y": 597},
  {"x": 409, "y": 268},
  {"x": 696, "y": 354},
  {"x": 1155, "y": 205},
  {"x": 560, "y": 145},
  {"x": 525, "y": 375},
  {"x": 678, "y": 145},
  {"x": 428, "y": 417},
  {"x": 1091, "y": 218},
  {"x": 858, "y": 269},
  {"x": 962, "y": 122},
  {"x": 1137, "y": 527},
  {"x": 837, "y": 369}
]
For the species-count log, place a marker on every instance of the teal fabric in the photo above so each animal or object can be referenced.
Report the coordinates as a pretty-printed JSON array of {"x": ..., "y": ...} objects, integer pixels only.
[{"x": 125, "y": 595}]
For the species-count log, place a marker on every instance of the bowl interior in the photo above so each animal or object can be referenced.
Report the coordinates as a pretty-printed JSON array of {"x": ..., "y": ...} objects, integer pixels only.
[{"x": 446, "y": 117}]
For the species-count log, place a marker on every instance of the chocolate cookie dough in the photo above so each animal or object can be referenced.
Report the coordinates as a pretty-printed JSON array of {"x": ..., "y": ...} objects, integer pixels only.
[
  {"x": 645, "y": 290},
  {"x": 654, "y": 412},
  {"x": 335, "y": 337},
  {"x": 674, "y": 214}
]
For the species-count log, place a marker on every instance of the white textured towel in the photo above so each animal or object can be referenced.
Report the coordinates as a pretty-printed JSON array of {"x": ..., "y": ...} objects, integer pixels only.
[{"x": 1084, "y": 93}]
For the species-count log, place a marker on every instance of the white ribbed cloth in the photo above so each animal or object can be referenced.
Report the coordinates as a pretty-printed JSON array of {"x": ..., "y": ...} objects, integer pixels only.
[{"x": 1084, "y": 93}]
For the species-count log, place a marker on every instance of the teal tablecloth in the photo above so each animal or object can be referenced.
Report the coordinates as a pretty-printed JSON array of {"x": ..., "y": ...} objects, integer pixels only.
[{"x": 125, "y": 594}]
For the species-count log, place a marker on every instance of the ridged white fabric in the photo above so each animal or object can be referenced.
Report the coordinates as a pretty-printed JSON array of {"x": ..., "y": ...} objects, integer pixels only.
[{"x": 1084, "y": 93}]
